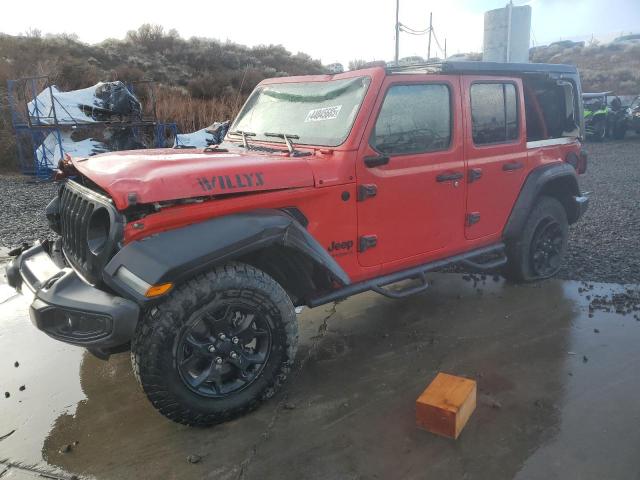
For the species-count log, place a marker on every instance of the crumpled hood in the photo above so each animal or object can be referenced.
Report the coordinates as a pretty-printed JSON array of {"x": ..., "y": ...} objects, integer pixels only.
[{"x": 148, "y": 176}]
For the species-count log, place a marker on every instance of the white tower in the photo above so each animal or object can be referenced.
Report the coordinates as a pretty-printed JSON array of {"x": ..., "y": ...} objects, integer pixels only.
[{"x": 507, "y": 34}]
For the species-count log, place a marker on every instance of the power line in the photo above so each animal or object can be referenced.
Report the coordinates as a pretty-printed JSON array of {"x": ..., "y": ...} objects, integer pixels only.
[
  {"x": 436, "y": 39},
  {"x": 401, "y": 27},
  {"x": 408, "y": 29}
]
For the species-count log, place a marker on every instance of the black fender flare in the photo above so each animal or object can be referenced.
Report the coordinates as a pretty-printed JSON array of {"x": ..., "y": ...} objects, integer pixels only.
[
  {"x": 181, "y": 253},
  {"x": 537, "y": 182}
]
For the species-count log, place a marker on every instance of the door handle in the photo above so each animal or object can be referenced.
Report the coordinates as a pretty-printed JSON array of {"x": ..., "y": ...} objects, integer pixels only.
[
  {"x": 474, "y": 174},
  {"x": 511, "y": 166},
  {"x": 376, "y": 161},
  {"x": 448, "y": 177}
]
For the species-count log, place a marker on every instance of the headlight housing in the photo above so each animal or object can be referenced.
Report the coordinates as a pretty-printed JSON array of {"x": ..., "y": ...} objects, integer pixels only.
[{"x": 98, "y": 230}]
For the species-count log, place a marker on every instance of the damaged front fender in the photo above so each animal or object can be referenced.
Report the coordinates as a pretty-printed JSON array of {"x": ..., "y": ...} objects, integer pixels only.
[{"x": 177, "y": 255}]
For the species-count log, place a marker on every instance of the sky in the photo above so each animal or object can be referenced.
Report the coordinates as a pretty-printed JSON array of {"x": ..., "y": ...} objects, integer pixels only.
[{"x": 329, "y": 30}]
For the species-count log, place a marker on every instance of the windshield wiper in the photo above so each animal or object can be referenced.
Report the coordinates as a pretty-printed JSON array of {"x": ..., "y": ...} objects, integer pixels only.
[
  {"x": 287, "y": 139},
  {"x": 244, "y": 136}
]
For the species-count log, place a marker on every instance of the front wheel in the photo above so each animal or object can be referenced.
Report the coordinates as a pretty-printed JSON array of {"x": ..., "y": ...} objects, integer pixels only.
[
  {"x": 600, "y": 130},
  {"x": 217, "y": 346},
  {"x": 540, "y": 249}
]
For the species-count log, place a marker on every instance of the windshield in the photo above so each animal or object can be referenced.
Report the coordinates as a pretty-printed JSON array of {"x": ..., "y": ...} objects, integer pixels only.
[{"x": 319, "y": 113}]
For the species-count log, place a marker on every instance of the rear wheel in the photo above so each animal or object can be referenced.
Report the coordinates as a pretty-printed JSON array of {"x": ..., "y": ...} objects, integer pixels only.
[
  {"x": 217, "y": 347},
  {"x": 540, "y": 249},
  {"x": 619, "y": 131}
]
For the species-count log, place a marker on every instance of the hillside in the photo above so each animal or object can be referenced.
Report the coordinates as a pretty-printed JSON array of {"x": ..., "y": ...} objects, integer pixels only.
[
  {"x": 612, "y": 66},
  {"x": 199, "y": 80}
]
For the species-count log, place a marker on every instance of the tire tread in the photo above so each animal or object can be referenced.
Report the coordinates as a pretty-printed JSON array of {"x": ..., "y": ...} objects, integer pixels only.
[{"x": 165, "y": 318}]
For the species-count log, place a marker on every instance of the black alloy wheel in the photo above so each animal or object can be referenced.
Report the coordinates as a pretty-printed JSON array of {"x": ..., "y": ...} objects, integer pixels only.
[
  {"x": 217, "y": 346},
  {"x": 223, "y": 348},
  {"x": 547, "y": 248},
  {"x": 538, "y": 252}
]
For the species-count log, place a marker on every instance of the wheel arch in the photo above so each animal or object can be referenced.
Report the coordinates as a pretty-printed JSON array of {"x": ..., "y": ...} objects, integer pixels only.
[
  {"x": 296, "y": 272},
  {"x": 274, "y": 241},
  {"x": 557, "y": 180}
]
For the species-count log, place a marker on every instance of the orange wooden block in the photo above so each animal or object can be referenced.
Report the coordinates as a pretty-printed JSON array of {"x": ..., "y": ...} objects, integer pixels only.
[{"x": 446, "y": 405}]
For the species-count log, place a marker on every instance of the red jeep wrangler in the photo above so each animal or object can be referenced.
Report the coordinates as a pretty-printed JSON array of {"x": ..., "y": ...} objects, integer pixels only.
[{"x": 326, "y": 186}]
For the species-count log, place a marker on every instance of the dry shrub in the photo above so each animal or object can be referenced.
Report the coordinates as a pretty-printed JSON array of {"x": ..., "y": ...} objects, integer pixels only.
[
  {"x": 191, "y": 114},
  {"x": 212, "y": 70}
]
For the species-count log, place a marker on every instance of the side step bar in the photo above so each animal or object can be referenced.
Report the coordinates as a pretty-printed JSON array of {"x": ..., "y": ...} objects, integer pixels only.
[
  {"x": 378, "y": 284},
  {"x": 405, "y": 292}
]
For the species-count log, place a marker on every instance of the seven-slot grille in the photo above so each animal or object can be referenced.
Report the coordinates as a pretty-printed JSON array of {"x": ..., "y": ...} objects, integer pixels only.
[
  {"x": 75, "y": 212},
  {"x": 77, "y": 206}
]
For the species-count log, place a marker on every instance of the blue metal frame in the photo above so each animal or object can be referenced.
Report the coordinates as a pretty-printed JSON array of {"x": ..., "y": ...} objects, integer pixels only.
[{"x": 32, "y": 128}]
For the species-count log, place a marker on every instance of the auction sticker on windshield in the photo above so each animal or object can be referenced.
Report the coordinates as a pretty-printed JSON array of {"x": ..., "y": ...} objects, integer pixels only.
[{"x": 325, "y": 113}]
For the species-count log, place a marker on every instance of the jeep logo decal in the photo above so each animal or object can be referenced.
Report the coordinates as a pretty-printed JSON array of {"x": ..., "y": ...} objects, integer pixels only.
[
  {"x": 346, "y": 245},
  {"x": 224, "y": 182}
]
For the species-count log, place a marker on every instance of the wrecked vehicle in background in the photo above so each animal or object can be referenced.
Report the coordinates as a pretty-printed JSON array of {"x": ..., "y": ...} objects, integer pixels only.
[
  {"x": 102, "y": 102},
  {"x": 109, "y": 113},
  {"x": 212, "y": 135},
  {"x": 325, "y": 187}
]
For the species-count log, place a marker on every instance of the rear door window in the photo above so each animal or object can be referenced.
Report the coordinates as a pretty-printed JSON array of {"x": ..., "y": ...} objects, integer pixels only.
[
  {"x": 413, "y": 119},
  {"x": 494, "y": 113}
]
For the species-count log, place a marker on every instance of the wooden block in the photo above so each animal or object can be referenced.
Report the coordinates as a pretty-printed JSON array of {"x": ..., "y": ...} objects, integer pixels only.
[{"x": 446, "y": 405}]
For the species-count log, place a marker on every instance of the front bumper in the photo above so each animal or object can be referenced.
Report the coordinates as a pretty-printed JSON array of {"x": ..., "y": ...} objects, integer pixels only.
[{"x": 68, "y": 309}]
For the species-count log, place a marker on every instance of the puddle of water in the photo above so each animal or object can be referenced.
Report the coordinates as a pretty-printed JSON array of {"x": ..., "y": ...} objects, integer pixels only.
[
  {"x": 597, "y": 435},
  {"x": 44, "y": 386},
  {"x": 539, "y": 400}
]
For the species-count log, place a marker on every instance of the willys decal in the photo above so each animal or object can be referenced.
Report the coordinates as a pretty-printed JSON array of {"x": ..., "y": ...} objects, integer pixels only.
[{"x": 228, "y": 182}]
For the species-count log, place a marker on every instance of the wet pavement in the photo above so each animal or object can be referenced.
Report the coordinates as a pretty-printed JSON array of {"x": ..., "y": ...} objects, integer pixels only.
[{"x": 558, "y": 390}]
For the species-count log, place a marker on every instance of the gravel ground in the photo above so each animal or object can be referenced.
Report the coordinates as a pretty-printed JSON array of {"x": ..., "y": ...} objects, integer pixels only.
[
  {"x": 603, "y": 247},
  {"x": 22, "y": 204}
]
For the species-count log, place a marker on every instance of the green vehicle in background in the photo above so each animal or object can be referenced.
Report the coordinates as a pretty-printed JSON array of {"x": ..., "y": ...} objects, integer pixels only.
[{"x": 604, "y": 116}]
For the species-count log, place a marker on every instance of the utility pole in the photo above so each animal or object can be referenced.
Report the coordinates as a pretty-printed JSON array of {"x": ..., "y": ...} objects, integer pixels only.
[
  {"x": 397, "y": 31},
  {"x": 430, "y": 29},
  {"x": 445, "y": 48}
]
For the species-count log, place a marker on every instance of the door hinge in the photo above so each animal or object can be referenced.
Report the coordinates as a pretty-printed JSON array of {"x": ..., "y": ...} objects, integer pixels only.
[
  {"x": 474, "y": 174},
  {"x": 367, "y": 241},
  {"x": 473, "y": 218},
  {"x": 367, "y": 190}
]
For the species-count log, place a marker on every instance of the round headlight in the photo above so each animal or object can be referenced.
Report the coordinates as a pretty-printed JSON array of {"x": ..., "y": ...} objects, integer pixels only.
[{"x": 98, "y": 231}]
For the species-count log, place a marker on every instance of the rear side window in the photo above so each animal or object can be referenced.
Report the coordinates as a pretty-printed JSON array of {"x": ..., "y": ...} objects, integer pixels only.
[
  {"x": 413, "y": 119},
  {"x": 494, "y": 113}
]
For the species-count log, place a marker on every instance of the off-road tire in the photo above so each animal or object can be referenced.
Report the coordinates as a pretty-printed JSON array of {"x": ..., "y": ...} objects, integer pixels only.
[
  {"x": 519, "y": 266},
  {"x": 154, "y": 347}
]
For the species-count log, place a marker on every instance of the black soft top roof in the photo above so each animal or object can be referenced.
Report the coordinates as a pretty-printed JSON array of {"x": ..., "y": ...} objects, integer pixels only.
[{"x": 486, "y": 68}]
